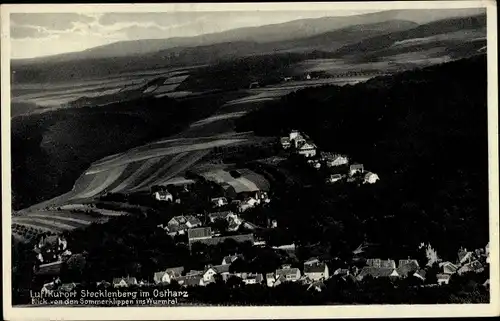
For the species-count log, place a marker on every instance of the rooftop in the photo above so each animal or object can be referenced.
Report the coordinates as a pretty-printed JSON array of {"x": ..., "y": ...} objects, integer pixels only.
[{"x": 199, "y": 232}]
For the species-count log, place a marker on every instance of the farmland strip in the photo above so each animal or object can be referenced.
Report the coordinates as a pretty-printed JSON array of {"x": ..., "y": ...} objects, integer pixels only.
[
  {"x": 111, "y": 176},
  {"x": 41, "y": 226},
  {"x": 61, "y": 218},
  {"x": 160, "y": 171},
  {"x": 49, "y": 223},
  {"x": 138, "y": 172}
]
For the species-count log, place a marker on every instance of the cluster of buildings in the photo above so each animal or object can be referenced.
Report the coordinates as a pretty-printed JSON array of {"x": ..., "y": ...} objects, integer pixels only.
[
  {"x": 203, "y": 232},
  {"x": 299, "y": 143},
  {"x": 339, "y": 165},
  {"x": 50, "y": 252},
  {"x": 467, "y": 261},
  {"x": 250, "y": 200}
]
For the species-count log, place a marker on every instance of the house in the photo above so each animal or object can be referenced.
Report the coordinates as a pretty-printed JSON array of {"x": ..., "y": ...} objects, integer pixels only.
[
  {"x": 356, "y": 168},
  {"x": 474, "y": 266},
  {"x": 124, "y": 282},
  {"x": 316, "y": 271},
  {"x": 377, "y": 272},
  {"x": 177, "y": 220},
  {"x": 164, "y": 195},
  {"x": 288, "y": 273},
  {"x": 378, "y": 263},
  {"x": 48, "y": 288},
  {"x": 285, "y": 142},
  {"x": 448, "y": 267},
  {"x": 294, "y": 134},
  {"x": 219, "y": 215},
  {"x": 190, "y": 281},
  {"x": 371, "y": 178},
  {"x": 168, "y": 275},
  {"x": 68, "y": 287},
  {"x": 407, "y": 267},
  {"x": 333, "y": 160},
  {"x": 189, "y": 221},
  {"x": 230, "y": 259},
  {"x": 306, "y": 149},
  {"x": 443, "y": 278},
  {"x": 247, "y": 203},
  {"x": 212, "y": 270},
  {"x": 308, "y": 77},
  {"x": 420, "y": 274},
  {"x": 334, "y": 178},
  {"x": 219, "y": 201},
  {"x": 464, "y": 256},
  {"x": 341, "y": 272},
  {"x": 250, "y": 278},
  {"x": 270, "y": 279},
  {"x": 103, "y": 284},
  {"x": 199, "y": 233},
  {"x": 287, "y": 78},
  {"x": 176, "y": 229},
  {"x": 233, "y": 219}
]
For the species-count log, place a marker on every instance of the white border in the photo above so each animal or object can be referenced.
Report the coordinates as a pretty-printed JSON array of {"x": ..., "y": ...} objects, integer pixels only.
[{"x": 182, "y": 313}]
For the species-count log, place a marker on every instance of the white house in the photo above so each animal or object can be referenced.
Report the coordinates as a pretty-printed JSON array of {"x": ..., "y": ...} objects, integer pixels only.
[
  {"x": 163, "y": 196},
  {"x": 316, "y": 271},
  {"x": 294, "y": 134},
  {"x": 356, "y": 168},
  {"x": 307, "y": 149},
  {"x": 336, "y": 160},
  {"x": 443, "y": 278},
  {"x": 219, "y": 201},
  {"x": 334, "y": 178},
  {"x": 285, "y": 142},
  {"x": 371, "y": 178},
  {"x": 288, "y": 273}
]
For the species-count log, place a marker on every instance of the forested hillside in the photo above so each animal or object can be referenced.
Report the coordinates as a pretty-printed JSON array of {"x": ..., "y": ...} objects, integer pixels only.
[{"x": 424, "y": 132}]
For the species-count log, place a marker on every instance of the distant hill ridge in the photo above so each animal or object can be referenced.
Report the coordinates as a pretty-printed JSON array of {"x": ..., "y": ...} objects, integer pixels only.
[
  {"x": 295, "y": 29},
  {"x": 364, "y": 40}
]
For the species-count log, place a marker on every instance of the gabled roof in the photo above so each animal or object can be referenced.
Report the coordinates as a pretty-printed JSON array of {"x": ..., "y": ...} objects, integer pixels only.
[
  {"x": 192, "y": 220},
  {"x": 403, "y": 262},
  {"x": 307, "y": 146},
  {"x": 315, "y": 268},
  {"x": 175, "y": 228},
  {"x": 381, "y": 263},
  {"x": 376, "y": 272},
  {"x": 179, "y": 219},
  {"x": 231, "y": 258},
  {"x": 356, "y": 166},
  {"x": 408, "y": 268},
  {"x": 421, "y": 273},
  {"x": 443, "y": 276},
  {"x": 68, "y": 286},
  {"x": 192, "y": 281},
  {"x": 285, "y": 272},
  {"x": 222, "y": 214},
  {"x": 199, "y": 232}
]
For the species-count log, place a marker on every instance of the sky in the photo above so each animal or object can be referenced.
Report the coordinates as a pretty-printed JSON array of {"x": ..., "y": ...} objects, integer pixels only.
[{"x": 43, "y": 34}]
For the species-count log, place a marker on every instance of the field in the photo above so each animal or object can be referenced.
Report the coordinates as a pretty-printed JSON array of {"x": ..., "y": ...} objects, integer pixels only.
[
  {"x": 245, "y": 181},
  {"x": 150, "y": 126}
]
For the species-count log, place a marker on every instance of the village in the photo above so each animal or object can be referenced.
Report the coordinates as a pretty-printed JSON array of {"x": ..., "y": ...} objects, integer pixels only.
[{"x": 224, "y": 222}]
